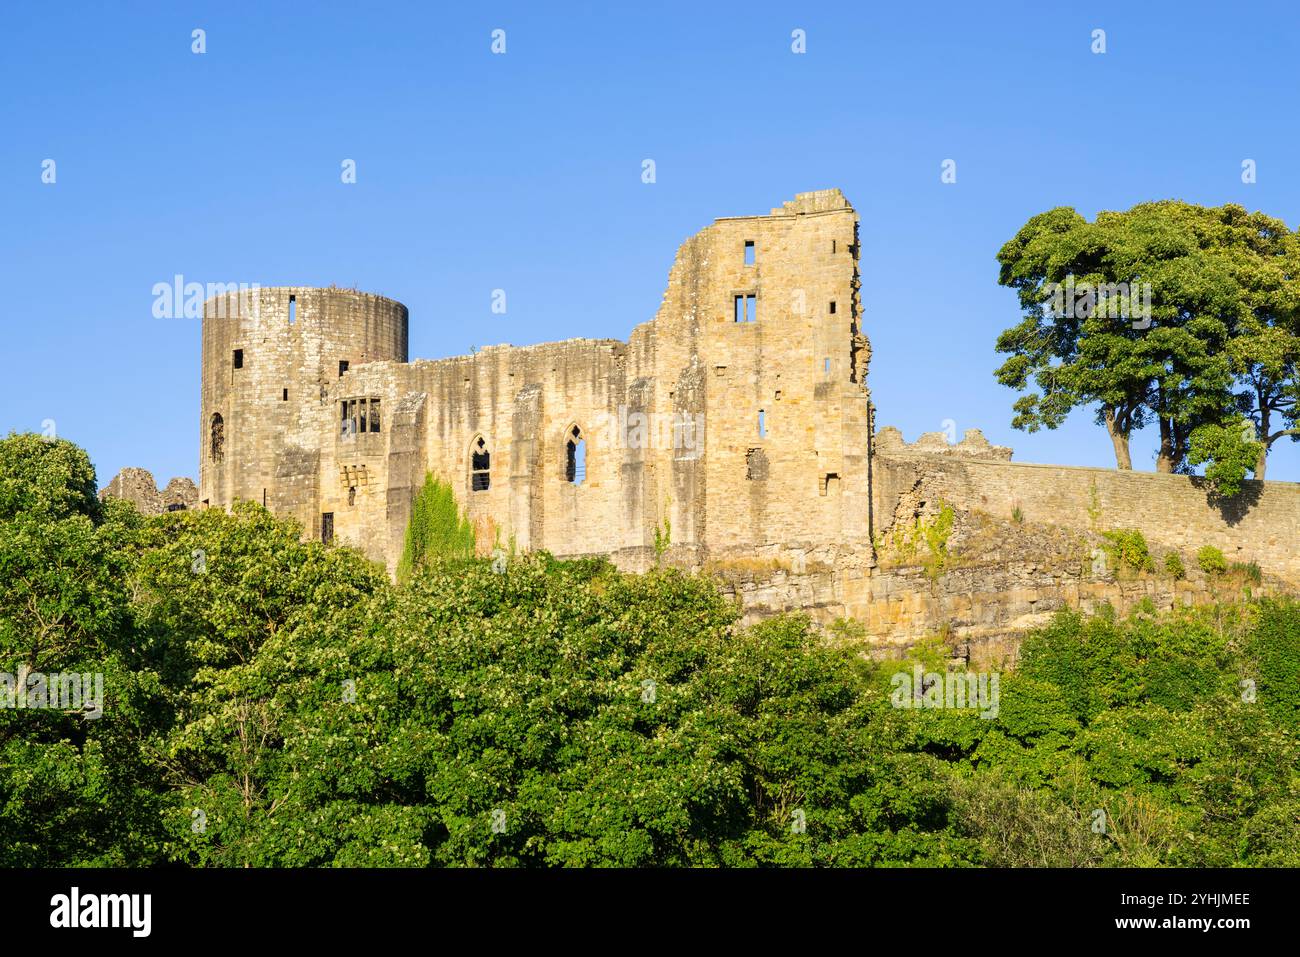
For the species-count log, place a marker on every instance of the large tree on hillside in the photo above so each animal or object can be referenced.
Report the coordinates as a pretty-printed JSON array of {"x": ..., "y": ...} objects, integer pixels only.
[{"x": 1151, "y": 315}]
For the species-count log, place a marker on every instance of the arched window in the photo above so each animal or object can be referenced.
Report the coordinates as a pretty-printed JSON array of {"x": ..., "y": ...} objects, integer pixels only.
[
  {"x": 575, "y": 457},
  {"x": 480, "y": 460},
  {"x": 217, "y": 443}
]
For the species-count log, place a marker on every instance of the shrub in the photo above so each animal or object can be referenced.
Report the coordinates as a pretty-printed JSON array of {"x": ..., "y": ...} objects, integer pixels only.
[
  {"x": 1174, "y": 565},
  {"x": 1211, "y": 560},
  {"x": 1128, "y": 549}
]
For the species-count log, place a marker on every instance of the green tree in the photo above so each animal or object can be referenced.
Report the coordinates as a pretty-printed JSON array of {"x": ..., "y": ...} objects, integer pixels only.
[
  {"x": 1227, "y": 454},
  {"x": 76, "y": 788},
  {"x": 1222, "y": 296}
]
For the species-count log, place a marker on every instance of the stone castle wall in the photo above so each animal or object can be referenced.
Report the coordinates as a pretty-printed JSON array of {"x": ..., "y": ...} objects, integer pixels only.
[{"x": 1260, "y": 525}]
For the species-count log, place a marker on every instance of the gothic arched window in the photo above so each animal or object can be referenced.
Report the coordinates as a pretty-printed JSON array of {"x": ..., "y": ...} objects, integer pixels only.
[{"x": 480, "y": 460}]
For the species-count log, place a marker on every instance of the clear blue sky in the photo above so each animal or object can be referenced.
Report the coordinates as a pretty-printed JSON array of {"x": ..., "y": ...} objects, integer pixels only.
[{"x": 523, "y": 172}]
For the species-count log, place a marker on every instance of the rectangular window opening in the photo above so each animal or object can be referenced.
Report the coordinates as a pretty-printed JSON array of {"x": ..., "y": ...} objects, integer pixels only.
[
  {"x": 762, "y": 423},
  {"x": 374, "y": 415},
  {"x": 343, "y": 366},
  {"x": 827, "y": 366},
  {"x": 327, "y": 527},
  {"x": 832, "y": 307},
  {"x": 239, "y": 358},
  {"x": 284, "y": 395},
  {"x": 746, "y": 308},
  {"x": 749, "y": 252},
  {"x": 293, "y": 309}
]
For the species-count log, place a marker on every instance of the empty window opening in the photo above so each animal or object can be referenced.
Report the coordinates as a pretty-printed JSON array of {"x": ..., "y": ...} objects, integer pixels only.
[
  {"x": 480, "y": 478},
  {"x": 762, "y": 423},
  {"x": 358, "y": 416},
  {"x": 830, "y": 484},
  {"x": 263, "y": 498},
  {"x": 327, "y": 527},
  {"x": 746, "y": 308},
  {"x": 827, "y": 366},
  {"x": 343, "y": 366},
  {"x": 352, "y": 495},
  {"x": 778, "y": 395},
  {"x": 755, "y": 465},
  {"x": 720, "y": 370},
  {"x": 749, "y": 252},
  {"x": 284, "y": 395},
  {"x": 239, "y": 358},
  {"x": 293, "y": 309},
  {"x": 575, "y": 457},
  {"x": 832, "y": 307},
  {"x": 217, "y": 440},
  {"x": 833, "y": 245}
]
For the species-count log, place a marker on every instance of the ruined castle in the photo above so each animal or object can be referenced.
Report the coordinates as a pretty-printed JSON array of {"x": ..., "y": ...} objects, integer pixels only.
[
  {"x": 734, "y": 431},
  {"x": 737, "y": 417}
]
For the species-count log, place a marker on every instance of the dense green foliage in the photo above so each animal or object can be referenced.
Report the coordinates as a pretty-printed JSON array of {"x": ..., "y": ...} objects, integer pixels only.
[
  {"x": 437, "y": 531},
  {"x": 272, "y": 702}
]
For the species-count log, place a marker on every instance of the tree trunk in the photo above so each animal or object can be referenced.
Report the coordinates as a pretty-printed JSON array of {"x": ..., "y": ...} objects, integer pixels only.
[
  {"x": 1264, "y": 440},
  {"x": 1119, "y": 439},
  {"x": 1168, "y": 456}
]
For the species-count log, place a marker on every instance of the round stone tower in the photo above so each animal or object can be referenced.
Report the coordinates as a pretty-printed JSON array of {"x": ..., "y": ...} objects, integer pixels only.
[{"x": 271, "y": 360}]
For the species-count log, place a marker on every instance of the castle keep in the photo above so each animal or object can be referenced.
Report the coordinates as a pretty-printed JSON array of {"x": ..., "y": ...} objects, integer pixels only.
[{"x": 738, "y": 416}]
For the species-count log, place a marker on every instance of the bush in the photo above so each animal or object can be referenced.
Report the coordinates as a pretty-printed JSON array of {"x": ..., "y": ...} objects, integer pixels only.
[
  {"x": 1174, "y": 565},
  {"x": 1128, "y": 549},
  {"x": 1211, "y": 560}
]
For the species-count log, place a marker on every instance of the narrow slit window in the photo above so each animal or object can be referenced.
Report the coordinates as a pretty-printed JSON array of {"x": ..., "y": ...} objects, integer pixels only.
[
  {"x": 374, "y": 415},
  {"x": 293, "y": 309},
  {"x": 762, "y": 423},
  {"x": 327, "y": 527},
  {"x": 833, "y": 245},
  {"x": 352, "y": 495},
  {"x": 827, "y": 366},
  {"x": 239, "y": 358},
  {"x": 363, "y": 416},
  {"x": 832, "y": 307},
  {"x": 749, "y": 252},
  {"x": 284, "y": 396},
  {"x": 480, "y": 479}
]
